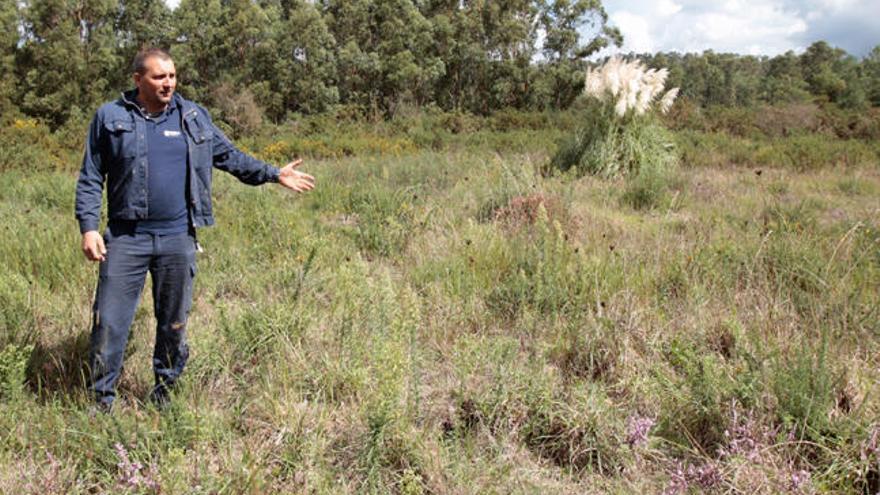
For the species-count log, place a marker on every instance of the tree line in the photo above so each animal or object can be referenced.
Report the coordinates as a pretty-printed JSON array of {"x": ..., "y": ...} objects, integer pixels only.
[
  {"x": 822, "y": 72},
  {"x": 294, "y": 56},
  {"x": 61, "y": 58}
]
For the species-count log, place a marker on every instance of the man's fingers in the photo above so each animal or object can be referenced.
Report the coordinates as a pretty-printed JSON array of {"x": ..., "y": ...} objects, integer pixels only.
[
  {"x": 93, "y": 246},
  {"x": 305, "y": 183},
  {"x": 296, "y": 163},
  {"x": 97, "y": 252}
]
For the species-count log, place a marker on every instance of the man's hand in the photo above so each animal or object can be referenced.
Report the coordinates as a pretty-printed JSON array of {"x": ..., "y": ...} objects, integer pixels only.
[
  {"x": 93, "y": 246},
  {"x": 294, "y": 179}
]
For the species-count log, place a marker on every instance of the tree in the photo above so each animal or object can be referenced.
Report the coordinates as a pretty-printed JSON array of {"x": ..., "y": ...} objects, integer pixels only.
[
  {"x": 305, "y": 62},
  {"x": 783, "y": 81},
  {"x": 871, "y": 69},
  {"x": 9, "y": 37},
  {"x": 487, "y": 50},
  {"x": 140, "y": 23},
  {"x": 69, "y": 46},
  {"x": 561, "y": 75},
  {"x": 833, "y": 75},
  {"x": 201, "y": 53},
  {"x": 385, "y": 54}
]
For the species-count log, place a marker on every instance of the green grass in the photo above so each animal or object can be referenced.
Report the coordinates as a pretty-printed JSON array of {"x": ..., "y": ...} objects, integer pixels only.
[{"x": 448, "y": 320}]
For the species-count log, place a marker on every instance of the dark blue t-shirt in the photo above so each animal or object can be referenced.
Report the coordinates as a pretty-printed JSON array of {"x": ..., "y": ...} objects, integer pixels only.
[{"x": 166, "y": 175}]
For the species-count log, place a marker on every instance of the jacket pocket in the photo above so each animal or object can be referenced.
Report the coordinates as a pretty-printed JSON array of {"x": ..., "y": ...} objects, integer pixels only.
[
  {"x": 121, "y": 137},
  {"x": 199, "y": 132}
]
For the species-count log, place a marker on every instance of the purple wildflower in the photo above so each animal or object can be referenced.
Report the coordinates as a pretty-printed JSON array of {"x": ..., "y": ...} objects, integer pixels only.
[
  {"x": 637, "y": 430},
  {"x": 678, "y": 482},
  {"x": 799, "y": 479},
  {"x": 745, "y": 438},
  {"x": 130, "y": 473},
  {"x": 705, "y": 475}
]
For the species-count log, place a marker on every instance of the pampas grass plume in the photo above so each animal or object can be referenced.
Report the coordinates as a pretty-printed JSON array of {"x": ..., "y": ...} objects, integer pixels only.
[{"x": 629, "y": 85}]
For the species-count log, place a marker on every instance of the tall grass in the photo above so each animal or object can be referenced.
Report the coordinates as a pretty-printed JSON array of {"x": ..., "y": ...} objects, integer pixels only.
[
  {"x": 452, "y": 321},
  {"x": 619, "y": 133}
]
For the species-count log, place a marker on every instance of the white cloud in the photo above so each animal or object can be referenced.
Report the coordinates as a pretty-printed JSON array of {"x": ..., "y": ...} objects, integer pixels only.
[
  {"x": 745, "y": 26},
  {"x": 636, "y": 29}
]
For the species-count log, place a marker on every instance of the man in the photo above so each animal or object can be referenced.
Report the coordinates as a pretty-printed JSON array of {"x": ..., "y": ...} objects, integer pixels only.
[{"x": 155, "y": 151}]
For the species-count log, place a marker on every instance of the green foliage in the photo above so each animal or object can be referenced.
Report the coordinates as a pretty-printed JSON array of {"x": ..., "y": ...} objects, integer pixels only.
[
  {"x": 822, "y": 72},
  {"x": 437, "y": 317},
  {"x": 871, "y": 66},
  {"x": 286, "y": 58},
  {"x": 696, "y": 397},
  {"x": 29, "y": 146},
  {"x": 803, "y": 384},
  {"x": 69, "y": 54},
  {"x": 646, "y": 190},
  {"x": 384, "y": 219},
  {"x": 8, "y": 44},
  {"x": 13, "y": 364},
  {"x": 803, "y": 153},
  {"x": 608, "y": 146}
]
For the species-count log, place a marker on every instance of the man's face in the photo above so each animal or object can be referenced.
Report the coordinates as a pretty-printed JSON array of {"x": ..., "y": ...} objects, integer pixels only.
[{"x": 156, "y": 85}]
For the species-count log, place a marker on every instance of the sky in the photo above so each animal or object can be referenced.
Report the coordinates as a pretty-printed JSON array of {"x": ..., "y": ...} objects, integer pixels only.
[{"x": 755, "y": 27}]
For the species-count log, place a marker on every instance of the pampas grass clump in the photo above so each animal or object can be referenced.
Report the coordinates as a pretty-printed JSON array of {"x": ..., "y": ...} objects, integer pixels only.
[{"x": 620, "y": 134}]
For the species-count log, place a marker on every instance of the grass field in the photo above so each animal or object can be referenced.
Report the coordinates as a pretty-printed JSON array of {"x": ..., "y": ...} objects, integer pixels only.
[{"x": 438, "y": 317}]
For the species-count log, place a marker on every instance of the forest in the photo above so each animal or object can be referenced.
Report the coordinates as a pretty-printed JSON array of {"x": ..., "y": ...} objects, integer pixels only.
[{"x": 273, "y": 60}]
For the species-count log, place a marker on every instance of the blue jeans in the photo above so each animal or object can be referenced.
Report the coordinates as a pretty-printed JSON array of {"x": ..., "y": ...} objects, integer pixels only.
[{"x": 171, "y": 262}]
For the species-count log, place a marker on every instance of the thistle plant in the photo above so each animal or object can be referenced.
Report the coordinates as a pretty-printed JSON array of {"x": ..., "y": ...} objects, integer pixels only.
[{"x": 620, "y": 134}]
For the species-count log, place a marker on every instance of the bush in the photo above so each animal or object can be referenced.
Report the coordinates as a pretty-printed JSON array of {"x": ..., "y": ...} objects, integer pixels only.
[
  {"x": 238, "y": 108},
  {"x": 646, "y": 191},
  {"x": 620, "y": 135},
  {"x": 29, "y": 145},
  {"x": 13, "y": 365},
  {"x": 608, "y": 147}
]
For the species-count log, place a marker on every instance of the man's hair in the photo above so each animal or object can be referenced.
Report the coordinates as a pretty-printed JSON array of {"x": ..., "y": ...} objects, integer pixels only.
[{"x": 138, "y": 64}]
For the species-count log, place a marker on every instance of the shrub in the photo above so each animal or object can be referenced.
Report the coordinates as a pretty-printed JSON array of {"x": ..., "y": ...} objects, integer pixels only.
[
  {"x": 646, "y": 190},
  {"x": 238, "y": 108},
  {"x": 13, "y": 365},
  {"x": 30, "y": 146},
  {"x": 803, "y": 385},
  {"x": 620, "y": 135}
]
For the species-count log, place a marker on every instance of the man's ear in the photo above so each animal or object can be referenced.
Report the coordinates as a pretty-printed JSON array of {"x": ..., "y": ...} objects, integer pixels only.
[{"x": 136, "y": 77}]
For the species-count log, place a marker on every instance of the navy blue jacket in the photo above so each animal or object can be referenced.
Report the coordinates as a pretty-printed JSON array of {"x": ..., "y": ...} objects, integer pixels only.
[{"x": 116, "y": 154}]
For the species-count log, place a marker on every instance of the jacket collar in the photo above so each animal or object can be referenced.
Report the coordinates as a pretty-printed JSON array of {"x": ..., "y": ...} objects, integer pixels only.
[{"x": 129, "y": 98}]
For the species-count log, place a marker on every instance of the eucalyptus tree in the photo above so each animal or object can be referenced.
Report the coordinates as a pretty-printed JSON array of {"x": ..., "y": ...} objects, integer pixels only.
[
  {"x": 304, "y": 66},
  {"x": 9, "y": 38},
  {"x": 783, "y": 80},
  {"x": 871, "y": 68},
  {"x": 564, "y": 51},
  {"x": 68, "y": 47},
  {"x": 833, "y": 75},
  {"x": 201, "y": 53},
  {"x": 139, "y": 23},
  {"x": 384, "y": 55}
]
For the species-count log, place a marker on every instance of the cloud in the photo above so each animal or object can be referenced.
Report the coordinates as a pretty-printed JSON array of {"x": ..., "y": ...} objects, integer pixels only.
[{"x": 759, "y": 27}]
